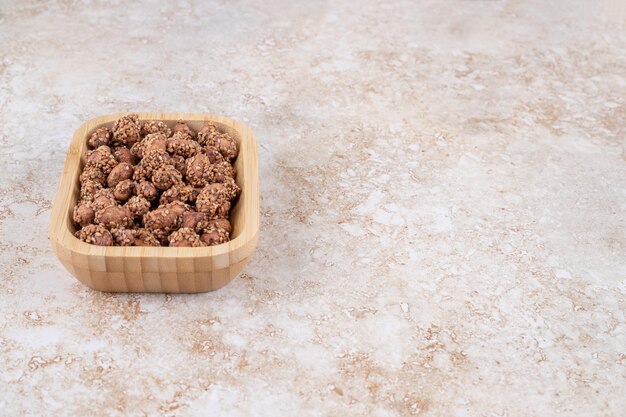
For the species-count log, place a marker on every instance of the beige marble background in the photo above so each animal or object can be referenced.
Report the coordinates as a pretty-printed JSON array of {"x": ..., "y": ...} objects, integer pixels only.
[{"x": 443, "y": 209}]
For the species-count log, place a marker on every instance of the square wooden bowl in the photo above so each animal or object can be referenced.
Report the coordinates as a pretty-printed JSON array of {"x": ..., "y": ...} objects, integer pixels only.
[{"x": 158, "y": 269}]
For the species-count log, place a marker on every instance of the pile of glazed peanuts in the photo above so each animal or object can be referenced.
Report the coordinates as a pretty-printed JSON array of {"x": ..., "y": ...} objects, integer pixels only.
[{"x": 145, "y": 184}]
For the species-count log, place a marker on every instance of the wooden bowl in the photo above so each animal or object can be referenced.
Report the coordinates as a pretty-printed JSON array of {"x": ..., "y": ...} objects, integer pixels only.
[{"x": 158, "y": 269}]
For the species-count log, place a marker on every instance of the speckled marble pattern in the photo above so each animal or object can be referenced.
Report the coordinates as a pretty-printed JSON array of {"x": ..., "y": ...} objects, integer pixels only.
[{"x": 443, "y": 209}]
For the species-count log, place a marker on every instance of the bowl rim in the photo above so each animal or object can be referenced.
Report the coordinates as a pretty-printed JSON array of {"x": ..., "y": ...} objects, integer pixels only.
[{"x": 60, "y": 234}]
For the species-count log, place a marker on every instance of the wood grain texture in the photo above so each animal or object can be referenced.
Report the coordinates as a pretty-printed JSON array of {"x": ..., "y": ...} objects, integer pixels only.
[{"x": 158, "y": 269}]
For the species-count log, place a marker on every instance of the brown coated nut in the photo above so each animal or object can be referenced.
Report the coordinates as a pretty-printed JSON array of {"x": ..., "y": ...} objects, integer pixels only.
[
  {"x": 144, "y": 237},
  {"x": 165, "y": 177},
  {"x": 208, "y": 134},
  {"x": 193, "y": 220},
  {"x": 114, "y": 216},
  {"x": 101, "y": 136},
  {"x": 213, "y": 200},
  {"x": 227, "y": 147},
  {"x": 182, "y": 144},
  {"x": 211, "y": 136},
  {"x": 180, "y": 164},
  {"x": 221, "y": 171},
  {"x": 182, "y": 127},
  {"x": 94, "y": 174},
  {"x": 126, "y": 130},
  {"x": 199, "y": 170},
  {"x": 178, "y": 207},
  {"x": 83, "y": 214},
  {"x": 123, "y": 171},
  {"x": 185, "y": 237},
  {"x": 123, "y": 236},
  {"x": 216, "y": 189},
  {"x": 179, "y": 192},
  {"x": 221, "y": 212},
  {"x": 155, "y": 126},
  {"x": 103, "y": 198},
  {"x": 101, "y": 158},
  {"x": 213, "y": 154},
  {"x": 214, "y": 236},
  {"x": 153, "y": 160},
  {"x": 222, "y": 224},
  {"x": 232, "y": 189},
  {"x": 88, "y": 189},
  {"x": 96, "y": 235},
  {"x": 161, "y": 219},
  {"x": 162, "y": 236},
  {"x": 171, "y": 194},
  {"x": 152, "y": 141},
  {"x": 146, "y": 189},
  {"x": 122, "y": 154},
  {"x": 140, "y": 173},
  {"x": 138, "y": 206},
  {"x": 124, "y": 190},
  {"x": 189, "y": 194}
]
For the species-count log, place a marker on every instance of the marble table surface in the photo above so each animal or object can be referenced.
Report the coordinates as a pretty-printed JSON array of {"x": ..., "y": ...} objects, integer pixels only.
[{"x": 443, "y": 199}]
